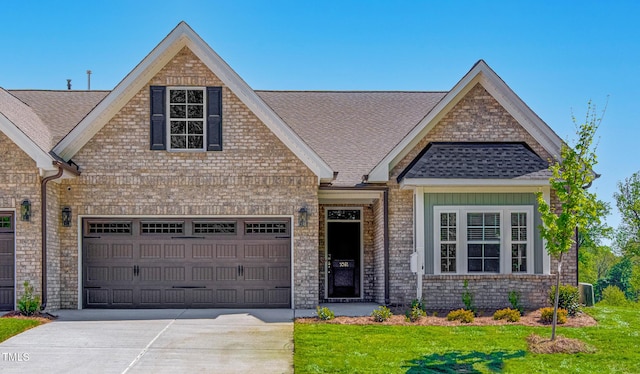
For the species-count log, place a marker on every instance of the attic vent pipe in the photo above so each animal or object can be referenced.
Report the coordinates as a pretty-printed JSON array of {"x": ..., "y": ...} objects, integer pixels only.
[
  {"x": 68, "y": 84},
  {"x": 88, "y": 80}
]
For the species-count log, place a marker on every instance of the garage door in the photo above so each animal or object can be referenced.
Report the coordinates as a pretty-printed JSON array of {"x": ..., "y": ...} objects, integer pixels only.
[
  {"x": 186, "y": 263},
  {"x": 7, "y": 260}
]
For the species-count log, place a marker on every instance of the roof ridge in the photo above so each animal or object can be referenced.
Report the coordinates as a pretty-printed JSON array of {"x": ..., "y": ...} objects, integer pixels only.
[
  {"x": 350, "y": 91},
  {"x": 48, "y": 90}
]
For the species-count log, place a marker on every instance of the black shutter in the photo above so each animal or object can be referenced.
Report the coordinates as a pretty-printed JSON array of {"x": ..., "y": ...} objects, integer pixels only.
[
  {"x": 214, "y": 118},
  {"x": 158, "y": 118}
]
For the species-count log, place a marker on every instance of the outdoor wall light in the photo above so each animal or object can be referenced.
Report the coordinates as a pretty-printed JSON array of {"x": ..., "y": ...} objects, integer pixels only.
[
  {"x": 66, "y": 216},
  {"x": 303, "y": 217},
  {"x": 25, "y": 210}
]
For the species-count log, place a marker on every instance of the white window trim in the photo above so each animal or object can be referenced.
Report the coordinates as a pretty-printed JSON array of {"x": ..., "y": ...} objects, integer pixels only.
[
  {"x": 168, "y": 118},
  {"x": 461, "y": 243}
]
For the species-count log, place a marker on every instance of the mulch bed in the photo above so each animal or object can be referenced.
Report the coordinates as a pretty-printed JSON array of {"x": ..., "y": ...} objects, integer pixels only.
[
  {"x": 529, "y": 319},
  {"x": 42, "y": 317},
  {"x": 538, "y": 344}
]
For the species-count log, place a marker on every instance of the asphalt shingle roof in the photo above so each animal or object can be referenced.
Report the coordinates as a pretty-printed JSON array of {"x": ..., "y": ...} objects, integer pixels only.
[
  {"x": 60, "y": 110},
  {"x": 25, "y": 119},
  {"x": 351, "y": 130},
  {"x": 477, "y": 161}
]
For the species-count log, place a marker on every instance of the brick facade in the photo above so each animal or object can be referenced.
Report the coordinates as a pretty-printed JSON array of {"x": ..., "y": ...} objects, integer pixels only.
[
  {"x": 255, "y": 174},
  {"x": 477, "y": 117},
  {"x": 20, "y": 180}
]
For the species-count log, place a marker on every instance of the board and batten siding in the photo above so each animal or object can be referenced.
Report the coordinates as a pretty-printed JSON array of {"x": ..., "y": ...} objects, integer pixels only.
[{"x": 469, "y": 199}]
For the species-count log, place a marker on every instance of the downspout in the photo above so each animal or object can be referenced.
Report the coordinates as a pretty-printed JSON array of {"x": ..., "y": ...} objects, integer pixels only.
[
  {"x": 386, "y": 246},
  {"x": 43, "y": 211}
]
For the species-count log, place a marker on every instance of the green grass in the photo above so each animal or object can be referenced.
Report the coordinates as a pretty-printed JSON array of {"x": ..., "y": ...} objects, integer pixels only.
[
  {"x": 13, "y": 326},
  {"x": 326, "y": 348}
]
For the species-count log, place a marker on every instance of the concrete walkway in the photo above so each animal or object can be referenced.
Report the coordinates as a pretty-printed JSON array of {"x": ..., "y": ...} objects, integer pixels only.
[{"x": 162, "y": 341}]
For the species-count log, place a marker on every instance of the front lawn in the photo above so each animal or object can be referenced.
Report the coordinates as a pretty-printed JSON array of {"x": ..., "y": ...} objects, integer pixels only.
[
  {"x": 13, "y": 326},
  {"x": 327, "y": 348}
]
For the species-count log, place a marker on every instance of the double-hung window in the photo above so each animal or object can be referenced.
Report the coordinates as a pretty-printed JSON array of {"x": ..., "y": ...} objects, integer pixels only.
[
  {"x": 483, "y": 239},
  {"x": 186, "y": 118}
]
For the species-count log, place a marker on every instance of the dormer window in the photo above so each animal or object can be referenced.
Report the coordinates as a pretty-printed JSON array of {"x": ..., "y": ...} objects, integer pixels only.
[{"x": 186, "y": 118}]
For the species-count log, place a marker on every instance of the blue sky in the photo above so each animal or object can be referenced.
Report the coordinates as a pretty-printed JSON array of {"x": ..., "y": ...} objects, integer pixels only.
[{"x": 555, "y": 55}]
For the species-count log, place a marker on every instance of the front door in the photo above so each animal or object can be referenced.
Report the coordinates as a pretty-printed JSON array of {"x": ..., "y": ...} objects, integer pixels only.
[
  {"x": 344, "y": 251},
  {"x": 7, "y": 259}
]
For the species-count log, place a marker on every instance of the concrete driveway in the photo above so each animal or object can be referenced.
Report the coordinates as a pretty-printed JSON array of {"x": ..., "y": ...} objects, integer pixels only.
[{"x": 155, "y": 341}]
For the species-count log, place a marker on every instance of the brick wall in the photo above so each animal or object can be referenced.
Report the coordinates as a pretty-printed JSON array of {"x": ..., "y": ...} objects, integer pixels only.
[
  {"x": 20, "y": 180},
  {"x": 255, "y": 174},
  {"x": 477, "y": 117},
  {"x": 444, "y": 292},
  {"x": 378, "y": 251}
]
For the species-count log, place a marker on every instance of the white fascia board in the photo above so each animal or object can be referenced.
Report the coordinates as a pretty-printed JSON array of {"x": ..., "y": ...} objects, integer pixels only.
[
  {"x": 180, "y": 37},
  {"x": 121, "y": 94},
  {"x": 43, "y": 159},
  {"x": 348, "y": 196},
  {"x": 483, "y": 74},
  {"x": 248, "y": 96},
  {"x": 474, "y": 184},
  {"x": 540, "y": 131}
]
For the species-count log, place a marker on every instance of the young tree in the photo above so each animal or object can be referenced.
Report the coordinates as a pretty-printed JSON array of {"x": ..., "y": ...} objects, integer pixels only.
[
  {"x": 571, "y": 176},
  {"x": 628, "y": 202}
]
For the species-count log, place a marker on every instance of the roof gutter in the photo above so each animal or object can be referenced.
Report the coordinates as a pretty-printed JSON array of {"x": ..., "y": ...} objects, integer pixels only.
[{"x": 62, "y": 167}]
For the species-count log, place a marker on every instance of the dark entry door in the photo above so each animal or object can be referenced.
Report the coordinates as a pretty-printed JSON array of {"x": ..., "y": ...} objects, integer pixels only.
[
  {"x": 343, "y": 255},
  {"x": 7, "y": 260}
]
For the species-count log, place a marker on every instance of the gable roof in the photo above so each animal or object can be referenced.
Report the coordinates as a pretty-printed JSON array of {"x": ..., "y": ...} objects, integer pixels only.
[
  {"x": 59, "y": 110},
  {"x": 480, "y": 73},
  {"x": 448, "y": 160},
  {"x": 22, "y": 125},
  {"x": 183, "y": 36},
  {"x": 351, "y": 130}
]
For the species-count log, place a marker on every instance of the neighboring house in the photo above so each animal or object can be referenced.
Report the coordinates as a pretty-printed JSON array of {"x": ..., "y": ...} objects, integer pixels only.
[{"x": 184, "y": 187}]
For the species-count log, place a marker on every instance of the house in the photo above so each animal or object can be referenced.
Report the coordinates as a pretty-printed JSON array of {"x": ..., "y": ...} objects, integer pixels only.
[{"x": 184, "y": 187}]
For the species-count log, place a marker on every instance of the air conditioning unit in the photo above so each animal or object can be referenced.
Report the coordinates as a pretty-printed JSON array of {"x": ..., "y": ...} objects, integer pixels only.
[{"x": 586, "y": 294}]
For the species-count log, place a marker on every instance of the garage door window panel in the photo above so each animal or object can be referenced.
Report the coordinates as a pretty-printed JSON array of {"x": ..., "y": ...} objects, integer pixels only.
[{"x": 162, "y": 227}]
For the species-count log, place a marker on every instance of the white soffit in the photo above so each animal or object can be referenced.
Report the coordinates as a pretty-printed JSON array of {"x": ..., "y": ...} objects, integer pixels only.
[
  {"x": 365, "y": 197},
  {"x": 180, "y": 37},
  {"x": 483, "y": 74}
]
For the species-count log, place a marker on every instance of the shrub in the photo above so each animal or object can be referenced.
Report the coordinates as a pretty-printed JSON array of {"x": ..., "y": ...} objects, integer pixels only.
[
  {"x": 569, "y": 299},
  {"x": 462, "y": 315},
  {"x": 514, "y": 300},
  {"x": 511, "y": 315},
  {"x": 415, "y": 303},
  {"x": 613, "y": 296},
  {"x": 29, "y": 303},
  {"x": 381, "y": 314},
  {"x": 467, "y": 298},
  {"x": 546, "y": 315},
  {"x": 414, "y": 314},
  {"x": 325, "y": 313}
]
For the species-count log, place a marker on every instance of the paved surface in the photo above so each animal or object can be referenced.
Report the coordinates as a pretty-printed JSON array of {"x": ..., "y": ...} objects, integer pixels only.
[
  {"x": 155, "y": 341},
  {"x": 162, "y": 341}
]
